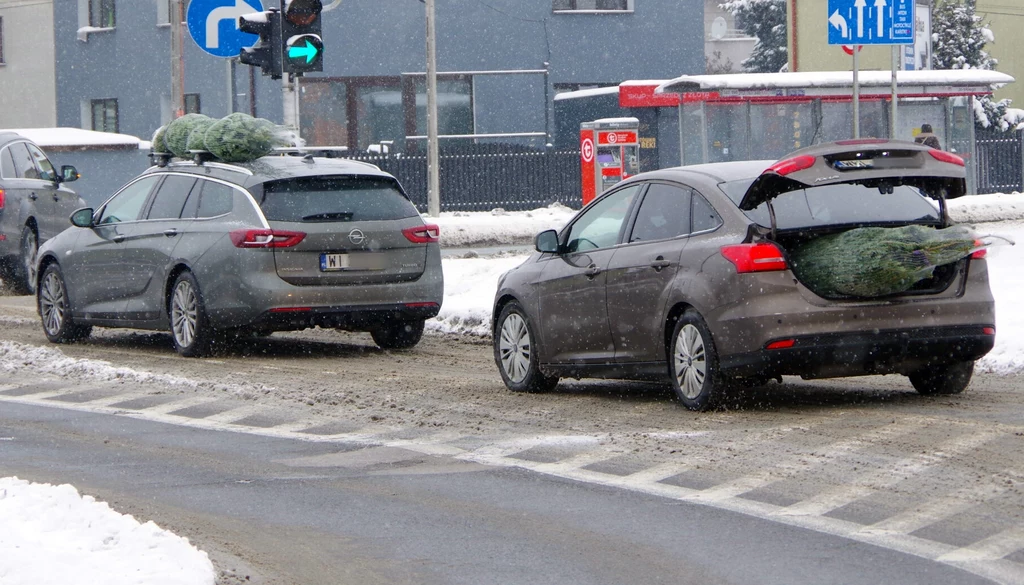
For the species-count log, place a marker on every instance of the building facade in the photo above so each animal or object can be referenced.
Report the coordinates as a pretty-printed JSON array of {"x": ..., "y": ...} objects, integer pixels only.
[
  {"x": 500, "y": 64},
  {"x": 28, "y": 89}
]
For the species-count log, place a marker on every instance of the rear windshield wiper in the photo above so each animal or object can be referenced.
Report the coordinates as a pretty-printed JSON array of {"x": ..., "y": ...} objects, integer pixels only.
[{"x": 328, "y": 216}]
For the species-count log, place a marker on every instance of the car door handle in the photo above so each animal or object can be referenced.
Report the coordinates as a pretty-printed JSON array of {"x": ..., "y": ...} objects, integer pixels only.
[
  {"x": 55, "y": 197},
  {"x": 170, "y": 233},
  {"x": 660, "y": 263},
  {"x": 33, "y": 197},
  {"x": 118, "y": 239},
  {"x": 592, "y": 271}
]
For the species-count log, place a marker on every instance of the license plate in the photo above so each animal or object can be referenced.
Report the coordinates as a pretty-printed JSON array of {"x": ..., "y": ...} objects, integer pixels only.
[{"x": 332, "y": 262}]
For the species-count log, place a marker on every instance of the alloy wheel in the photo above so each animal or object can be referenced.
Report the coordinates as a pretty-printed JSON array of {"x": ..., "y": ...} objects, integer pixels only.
[
  {"x": 514, "y": 347},
  {"x": 690, "y": 361},
  {"x": 184, "y": 313},
  {"x": 52, "y": 303},
  {"x": 29, "y": 254}
]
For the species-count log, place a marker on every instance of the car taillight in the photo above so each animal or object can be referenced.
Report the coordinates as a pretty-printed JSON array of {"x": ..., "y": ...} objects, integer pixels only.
[
  {"x": 988, "y": 330},
  {"x": 763, "y": 257},
  {"x": 781, "y": 344},
  {"x": 792, "y": 165},
  {"x": 946, "y": 157},
  {"x": 424, "y": 234},
  {"x": 979, "y": 253},
  {"x": 248, "y": 238},
  {"x": 1, "y": 198}
]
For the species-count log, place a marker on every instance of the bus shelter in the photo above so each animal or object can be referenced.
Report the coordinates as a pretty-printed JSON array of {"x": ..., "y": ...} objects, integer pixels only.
[{"x": 711, "y": 118}]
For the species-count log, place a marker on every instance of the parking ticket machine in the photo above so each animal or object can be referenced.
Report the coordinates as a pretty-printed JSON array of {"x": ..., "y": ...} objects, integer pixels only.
[{"x": 609, "y": 153}]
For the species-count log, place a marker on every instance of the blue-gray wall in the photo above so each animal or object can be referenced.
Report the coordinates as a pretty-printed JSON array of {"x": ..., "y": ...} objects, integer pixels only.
[
  {"x": 660, "y": 39},
  {"x": 102, "y": 171}
]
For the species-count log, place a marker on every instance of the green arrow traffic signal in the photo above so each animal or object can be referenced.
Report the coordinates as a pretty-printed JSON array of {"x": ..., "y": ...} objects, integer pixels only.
[{"x": 310, "y": 52}]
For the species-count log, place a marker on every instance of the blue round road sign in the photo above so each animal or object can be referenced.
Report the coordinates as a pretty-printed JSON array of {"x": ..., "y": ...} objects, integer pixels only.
[{"x": 213, "y": 25}]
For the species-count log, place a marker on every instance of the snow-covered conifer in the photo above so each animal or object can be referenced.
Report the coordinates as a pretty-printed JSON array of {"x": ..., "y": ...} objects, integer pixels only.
[
  {"x": 765, "y": 20},
  {"x": 959, "y": 38}
]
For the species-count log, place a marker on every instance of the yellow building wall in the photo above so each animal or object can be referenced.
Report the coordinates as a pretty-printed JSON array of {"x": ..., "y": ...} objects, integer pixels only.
[
  {"x": 809, "y": 49},
  {"x": 1006, "y": 19}
]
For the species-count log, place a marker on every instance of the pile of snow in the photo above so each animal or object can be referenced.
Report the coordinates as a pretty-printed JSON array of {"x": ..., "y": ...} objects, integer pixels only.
[
  {"x": 498, "y": 227},
  {"x": 52, "y": 536},
  {"x": 16, "y": 356}
]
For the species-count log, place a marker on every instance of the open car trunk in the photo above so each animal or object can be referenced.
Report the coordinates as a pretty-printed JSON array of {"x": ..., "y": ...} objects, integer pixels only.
[
  {"x": 810, "y": 203},
  {"x": 945, "y": 280}
]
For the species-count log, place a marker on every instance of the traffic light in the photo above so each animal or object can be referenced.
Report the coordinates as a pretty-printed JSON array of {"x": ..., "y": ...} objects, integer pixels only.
[
  {"x": 266, "y": 53},
  {"x": 302, "y": 47}
]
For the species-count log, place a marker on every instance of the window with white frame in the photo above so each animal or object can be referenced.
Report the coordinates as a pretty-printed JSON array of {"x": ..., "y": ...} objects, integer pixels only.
[
  {"x": 104, "y": 115},
  {"x": 592, "y": 5},
  {"x": 101, "y": 14}
]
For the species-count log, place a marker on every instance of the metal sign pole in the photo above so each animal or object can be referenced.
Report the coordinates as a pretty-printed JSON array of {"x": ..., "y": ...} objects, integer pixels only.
[
  {"x": 856, "y": 92},
  {"x": 893, "y": 116}
]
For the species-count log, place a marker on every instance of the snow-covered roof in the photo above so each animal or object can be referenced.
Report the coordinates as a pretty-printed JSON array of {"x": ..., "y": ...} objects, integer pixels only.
[
  {"x": 76, "y": 137},
  {"x": 566, "y": 95},
  {"x": 962, "y": 78}
]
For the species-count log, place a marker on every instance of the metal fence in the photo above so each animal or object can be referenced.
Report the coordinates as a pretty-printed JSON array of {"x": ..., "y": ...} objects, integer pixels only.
[
  {"x": 1000, "y": 162},
  {"x": 515, "y": 181}
]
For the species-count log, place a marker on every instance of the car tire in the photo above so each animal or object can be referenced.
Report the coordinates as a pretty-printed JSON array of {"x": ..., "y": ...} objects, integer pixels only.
[
  {"x": 515, "y": 352},
  {"x": 24, "y": 275},
  {"x": 190, "y": 327},
  {"x": 55, "y": 309},
  {"x": 398, "y": 334},
  {"x": 946, "y": 379},
  {"x": 693, "y": 363}
]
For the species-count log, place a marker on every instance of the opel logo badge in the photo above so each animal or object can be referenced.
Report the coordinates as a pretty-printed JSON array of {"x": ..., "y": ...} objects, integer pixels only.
[{"x": 356, "y": 236}]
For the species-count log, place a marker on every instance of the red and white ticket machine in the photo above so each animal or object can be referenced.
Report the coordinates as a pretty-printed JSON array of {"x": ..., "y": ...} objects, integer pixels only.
[{"x": 609, "y": 153}]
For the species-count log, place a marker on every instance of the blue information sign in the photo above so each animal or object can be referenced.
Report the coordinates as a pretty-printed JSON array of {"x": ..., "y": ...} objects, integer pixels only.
[
  {"x": 213, "y": 25},
  {"x": 870, "y": 22}
]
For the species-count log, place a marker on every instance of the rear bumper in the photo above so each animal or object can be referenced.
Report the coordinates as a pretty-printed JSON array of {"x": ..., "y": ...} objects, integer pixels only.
[
  {"x": 356, "y": 318},
  {"x": 896, "y": 351}
]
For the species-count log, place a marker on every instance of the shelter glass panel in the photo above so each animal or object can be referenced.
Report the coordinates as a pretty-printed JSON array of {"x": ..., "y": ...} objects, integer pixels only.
[
  {"x": 324, "y": 113},
  {"x": 780, "y": 128},
  {"x": 727, "y": 132}
]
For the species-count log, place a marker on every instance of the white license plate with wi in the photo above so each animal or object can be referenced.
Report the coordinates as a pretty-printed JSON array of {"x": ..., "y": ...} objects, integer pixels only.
[{"x": 333, "y": 262}]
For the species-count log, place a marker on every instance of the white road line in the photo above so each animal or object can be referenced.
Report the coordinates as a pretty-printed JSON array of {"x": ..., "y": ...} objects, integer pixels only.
[
  {"x": 236, "y": 414},
  {"x": 992, "y": 548},
  {"x": 165, "y": 409},
  {"x": 804, "y": 462},
  {"x": 869, "y": 483},
  {"x": 932, "y": 511}
]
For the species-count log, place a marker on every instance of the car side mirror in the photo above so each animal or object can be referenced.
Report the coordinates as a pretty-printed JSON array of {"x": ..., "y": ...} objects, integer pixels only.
[
  {"x": 82, "y": 218},
  {"x": 68, "y": 174},
  {"x": 547, "y": 242}
]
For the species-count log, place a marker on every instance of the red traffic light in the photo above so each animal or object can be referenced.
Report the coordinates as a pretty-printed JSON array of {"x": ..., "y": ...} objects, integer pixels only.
[{"x": 302, "y": 12}]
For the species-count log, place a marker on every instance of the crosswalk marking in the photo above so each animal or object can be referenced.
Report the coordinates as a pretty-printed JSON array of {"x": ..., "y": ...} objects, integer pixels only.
[
  {"x": 932, "y": 511},
  {"x": 868, "y": 483},
  {"x": 994, "y": 547}
]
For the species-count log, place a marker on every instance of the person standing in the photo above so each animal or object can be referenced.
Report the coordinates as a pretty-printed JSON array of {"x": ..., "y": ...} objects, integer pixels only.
[{"x": 927, "y": 137}]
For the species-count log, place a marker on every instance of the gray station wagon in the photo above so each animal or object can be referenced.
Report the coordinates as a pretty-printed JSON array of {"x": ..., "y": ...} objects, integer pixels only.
[
  {"x": 211, "y": 249},
  {"x": 34, "y": 207},
  {"x": 685, "y": 275}
]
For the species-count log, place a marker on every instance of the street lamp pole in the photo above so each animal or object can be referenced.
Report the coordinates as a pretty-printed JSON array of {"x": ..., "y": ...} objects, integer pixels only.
[{"x": 433, "y": 174}]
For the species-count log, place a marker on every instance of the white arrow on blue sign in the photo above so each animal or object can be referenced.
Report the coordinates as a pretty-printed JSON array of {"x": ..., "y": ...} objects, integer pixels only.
[
  {"x": 870, "y": 22},
  {"x": 213, "y": 25}
]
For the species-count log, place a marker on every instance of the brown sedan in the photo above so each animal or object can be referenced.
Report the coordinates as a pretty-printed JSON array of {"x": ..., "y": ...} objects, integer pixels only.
[{"x": 685, "y": 275}]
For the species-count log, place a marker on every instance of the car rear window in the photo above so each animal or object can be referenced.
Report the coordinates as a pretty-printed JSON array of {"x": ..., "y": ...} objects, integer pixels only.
[
  {"x": 335, "y": 199},
  {"x": 839, "y": 204}
]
